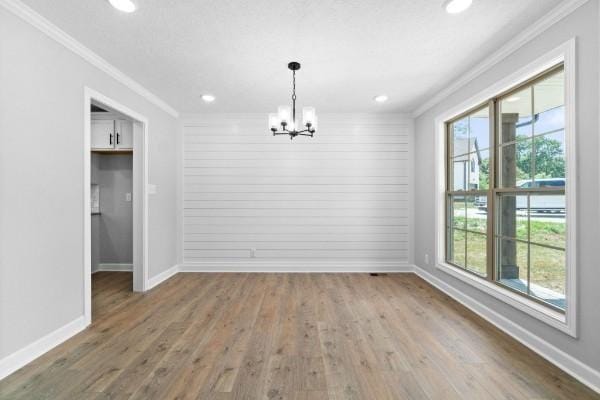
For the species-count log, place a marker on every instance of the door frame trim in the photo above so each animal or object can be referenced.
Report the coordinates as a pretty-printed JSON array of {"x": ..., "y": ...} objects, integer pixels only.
[{"x": 140, "y": 203}]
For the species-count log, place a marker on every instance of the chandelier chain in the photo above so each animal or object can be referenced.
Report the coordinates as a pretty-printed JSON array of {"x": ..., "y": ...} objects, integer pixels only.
[
  {"x": 294, "y": 86},
  {"x": 294, "y": 99}
]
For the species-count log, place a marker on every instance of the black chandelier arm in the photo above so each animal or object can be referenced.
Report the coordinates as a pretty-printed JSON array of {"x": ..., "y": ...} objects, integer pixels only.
[
  {"x": 285, "y": 130},
  {"x": 305, "y": 132},
  {"x": 302, "y": 131}
]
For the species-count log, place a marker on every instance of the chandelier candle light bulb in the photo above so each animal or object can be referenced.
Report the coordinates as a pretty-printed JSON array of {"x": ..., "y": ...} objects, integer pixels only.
[
  {"x": 286, "y": 118},
  {"x": 308, "y": 116},
  {"x": 274, "y": 121},
  {"x": 285, "y": 113}
]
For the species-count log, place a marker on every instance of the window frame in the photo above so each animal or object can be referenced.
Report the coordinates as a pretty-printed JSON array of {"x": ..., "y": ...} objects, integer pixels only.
[
  {"x": 450, "y": 191},
  {"x": 563, "y": 56},
  {"x": 494, "y": 190}
]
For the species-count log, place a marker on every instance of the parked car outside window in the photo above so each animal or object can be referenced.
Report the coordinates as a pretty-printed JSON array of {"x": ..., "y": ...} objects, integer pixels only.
[{"x": 543, "y": 204}]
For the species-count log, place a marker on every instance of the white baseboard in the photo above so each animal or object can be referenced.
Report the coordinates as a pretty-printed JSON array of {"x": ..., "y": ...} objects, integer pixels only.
[
  {"x": 20, "y": 358},
  {"x": 163, "y": 276},
  {"x": 113, "y": 267},
  {"x": 582, "y": 372},
  {"x": 296, "y": 266}
]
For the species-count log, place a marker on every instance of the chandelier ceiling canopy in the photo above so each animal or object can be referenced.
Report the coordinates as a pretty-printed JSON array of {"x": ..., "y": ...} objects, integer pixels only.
[{"x": 284, "y": 122}]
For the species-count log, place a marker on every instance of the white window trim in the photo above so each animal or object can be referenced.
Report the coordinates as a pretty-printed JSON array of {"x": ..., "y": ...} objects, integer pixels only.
[{"x": 566, "y": 322}]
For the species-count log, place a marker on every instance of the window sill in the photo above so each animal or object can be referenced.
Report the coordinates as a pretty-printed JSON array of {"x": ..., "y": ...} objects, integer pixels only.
[{"x": 545, "y": 314}]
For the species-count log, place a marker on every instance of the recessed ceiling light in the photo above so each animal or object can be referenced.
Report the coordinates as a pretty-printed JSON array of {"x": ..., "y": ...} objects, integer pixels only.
[
  {"x": 382, "y": 98},
  {"x": 123, "y": 5},
  {"x": 457, "y": 6},
  {"x": 513, "y": 99},
  {"x": 208, "y": 98}
]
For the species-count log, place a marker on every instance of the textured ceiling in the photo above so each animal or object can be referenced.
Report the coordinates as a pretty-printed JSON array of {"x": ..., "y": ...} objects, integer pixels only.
[{"x": 238, "y": 50}]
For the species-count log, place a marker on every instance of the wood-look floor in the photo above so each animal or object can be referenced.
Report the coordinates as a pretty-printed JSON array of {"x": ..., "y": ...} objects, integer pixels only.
[{"x": 287, "y": 336}]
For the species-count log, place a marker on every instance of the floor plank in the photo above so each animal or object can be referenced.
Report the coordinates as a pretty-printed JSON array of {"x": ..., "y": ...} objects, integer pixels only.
[{"x": 286, "y": 336}]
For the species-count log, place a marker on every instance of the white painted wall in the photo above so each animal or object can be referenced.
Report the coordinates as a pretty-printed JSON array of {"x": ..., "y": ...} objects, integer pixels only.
[
  {"x": 95, "y": 219},
  {"x": 342, "y": 195},
  {"x": 114, "y": 226},
  {"x": 582, "y": 24},
  {"x": 41, "y": 177}
]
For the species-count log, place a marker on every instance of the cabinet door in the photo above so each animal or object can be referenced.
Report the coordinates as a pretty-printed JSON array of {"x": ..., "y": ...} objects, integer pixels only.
[
  {"x": 103, "y": 134},
  {"x": 124, "y": 134}
]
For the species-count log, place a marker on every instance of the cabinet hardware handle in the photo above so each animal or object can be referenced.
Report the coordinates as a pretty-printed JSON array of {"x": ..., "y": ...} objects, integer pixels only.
[
  {"x": 118, "y": 136},
  {"x": 110, "y": 138}
]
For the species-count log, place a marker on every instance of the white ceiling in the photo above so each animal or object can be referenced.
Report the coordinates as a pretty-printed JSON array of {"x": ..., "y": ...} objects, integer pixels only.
[{"x": 238, "y": 49}]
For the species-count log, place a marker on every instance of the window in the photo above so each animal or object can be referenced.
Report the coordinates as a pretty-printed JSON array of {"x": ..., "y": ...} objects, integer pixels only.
[
  {"x": 505, "y": 190},
  {"x": 468, "y": 181}
]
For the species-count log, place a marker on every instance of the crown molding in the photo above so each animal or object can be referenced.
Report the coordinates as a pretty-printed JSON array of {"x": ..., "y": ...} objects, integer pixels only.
[
  {"x": 556, "y": 14},
  {"x": 38, "y": 21}
]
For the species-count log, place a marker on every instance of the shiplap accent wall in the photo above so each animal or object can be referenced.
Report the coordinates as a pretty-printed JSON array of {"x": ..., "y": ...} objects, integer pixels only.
[{"x": 343, "y": 195}]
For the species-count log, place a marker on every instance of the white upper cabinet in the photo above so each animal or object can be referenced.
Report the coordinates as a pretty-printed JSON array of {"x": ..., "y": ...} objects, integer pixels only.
[
  {"x": 111, "y": 134},
  {"x": 103, "y": 134},
  {"x": 123, "y": 134}
]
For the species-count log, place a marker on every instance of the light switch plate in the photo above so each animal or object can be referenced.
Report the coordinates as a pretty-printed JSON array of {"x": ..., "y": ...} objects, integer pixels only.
[
  {"x": 128, "y": 197},
  {"x": 151, "y": 189}
]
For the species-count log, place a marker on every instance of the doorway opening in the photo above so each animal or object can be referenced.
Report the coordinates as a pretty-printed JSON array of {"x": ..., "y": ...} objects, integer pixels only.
[{"x": 115, "y": 203}]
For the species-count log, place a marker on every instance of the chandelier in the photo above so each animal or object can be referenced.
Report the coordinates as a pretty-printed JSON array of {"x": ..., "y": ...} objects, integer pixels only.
[{"x": 284, "y": 122}]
